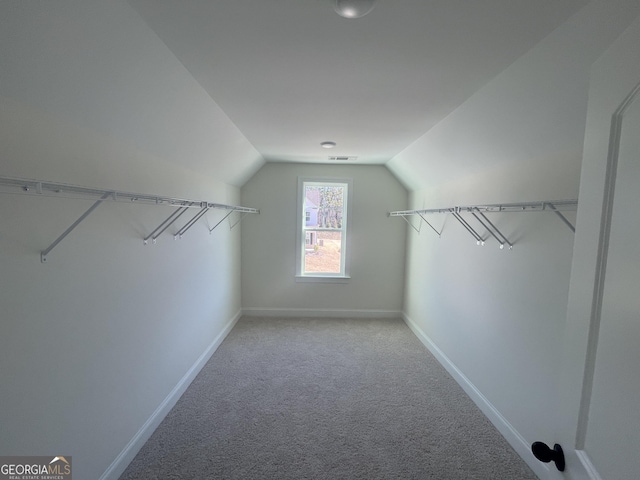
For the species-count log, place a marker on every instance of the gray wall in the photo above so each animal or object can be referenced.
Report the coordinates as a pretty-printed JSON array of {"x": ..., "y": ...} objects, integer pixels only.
[
  {"x": 269, "y": 244},
  {"x": 496, "y": 318},
  {"x": 93, "y": 342}
]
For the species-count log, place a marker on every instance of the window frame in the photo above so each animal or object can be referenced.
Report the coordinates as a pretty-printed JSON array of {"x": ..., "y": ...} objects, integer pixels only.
[{"x": 320, "y": 277}]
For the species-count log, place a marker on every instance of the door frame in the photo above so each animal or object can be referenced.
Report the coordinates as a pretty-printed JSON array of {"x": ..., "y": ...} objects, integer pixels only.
[{"x": 615, "y": 85}]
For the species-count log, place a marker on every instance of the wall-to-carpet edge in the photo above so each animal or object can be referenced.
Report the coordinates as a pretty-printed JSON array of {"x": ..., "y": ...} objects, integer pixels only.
[
  {"x": 128, "y": 453},
  {"x": 320, "y": 313},
  {"x": 507, "y": 430}
]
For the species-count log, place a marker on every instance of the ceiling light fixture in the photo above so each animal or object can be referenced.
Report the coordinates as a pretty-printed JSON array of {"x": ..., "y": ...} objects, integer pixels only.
[
  {"x": 328, "y": 144},
  {"x": 353, "y": 8}
]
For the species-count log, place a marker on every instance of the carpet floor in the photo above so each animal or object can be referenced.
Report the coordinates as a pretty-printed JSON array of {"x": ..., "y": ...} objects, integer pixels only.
[{"x": 325, "y": 399}]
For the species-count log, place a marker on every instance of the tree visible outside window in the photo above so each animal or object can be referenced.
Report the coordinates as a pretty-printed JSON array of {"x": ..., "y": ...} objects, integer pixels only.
[{"x": 323, "y": 232}]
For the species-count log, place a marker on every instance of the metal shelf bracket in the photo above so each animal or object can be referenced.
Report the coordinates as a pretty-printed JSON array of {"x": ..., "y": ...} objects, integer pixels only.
[
  {"x": 165, "y": 224},
  {"x": 456, "y": 213},
  {"x": 419, "y": 228},
  {"x": 439, "y": 233},
  {"x": 242, "y": 215},
  {"x": 562, "y": 217},
  {"x": 491, "y": 228},
  {"x": 192, "y": 221},
  {"x": 221, "y": 220},
  {"x": 46, "y": 251}
]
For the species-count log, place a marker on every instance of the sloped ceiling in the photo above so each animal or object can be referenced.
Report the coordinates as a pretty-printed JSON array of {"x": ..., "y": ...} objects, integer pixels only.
[
  {"x": 96, "y": 67},
  {"x": 292, "y": 73}
]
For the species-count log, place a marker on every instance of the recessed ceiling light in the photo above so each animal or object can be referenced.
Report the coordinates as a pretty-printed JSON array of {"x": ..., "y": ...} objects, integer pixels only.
[
  {"x": 328, "y": 144},
  {"x": 353, "y": 8}
]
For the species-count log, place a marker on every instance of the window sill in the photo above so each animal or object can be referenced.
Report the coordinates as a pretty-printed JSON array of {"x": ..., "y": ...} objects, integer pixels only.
[{"x": 322, "y": 279}]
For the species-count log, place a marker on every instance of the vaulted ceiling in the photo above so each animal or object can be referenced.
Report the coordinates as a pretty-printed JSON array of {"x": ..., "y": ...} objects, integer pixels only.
[{"x": 292, "y": 73}]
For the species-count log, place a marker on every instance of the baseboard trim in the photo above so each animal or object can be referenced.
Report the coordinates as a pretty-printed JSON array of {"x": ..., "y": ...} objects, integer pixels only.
[
  {"x": 320, "y": 313},
  {"x": 119, "y": 465},
  {"x": 507, "y": 430},
  {"x": 589, "y": 468}
]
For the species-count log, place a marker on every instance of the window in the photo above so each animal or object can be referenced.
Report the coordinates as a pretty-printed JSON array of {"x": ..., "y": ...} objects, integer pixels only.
[{"x": 322, "y": 247}]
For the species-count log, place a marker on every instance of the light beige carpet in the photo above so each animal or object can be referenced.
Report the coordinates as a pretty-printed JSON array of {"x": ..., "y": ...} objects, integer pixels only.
[{"x": 325, "y": 399}]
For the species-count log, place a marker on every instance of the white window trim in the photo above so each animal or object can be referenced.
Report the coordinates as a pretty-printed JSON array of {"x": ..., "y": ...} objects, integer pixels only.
[{"x": 300, "y": 239}]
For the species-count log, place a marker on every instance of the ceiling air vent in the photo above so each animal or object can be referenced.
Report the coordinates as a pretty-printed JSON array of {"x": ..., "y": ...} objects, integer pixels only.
[{"x": 342, "y": 159}]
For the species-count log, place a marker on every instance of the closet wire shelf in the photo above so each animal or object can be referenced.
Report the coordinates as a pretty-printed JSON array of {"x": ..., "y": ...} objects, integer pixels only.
[
  {"x": 62, "y": 190},
  {"x": 478, "y": 213}
]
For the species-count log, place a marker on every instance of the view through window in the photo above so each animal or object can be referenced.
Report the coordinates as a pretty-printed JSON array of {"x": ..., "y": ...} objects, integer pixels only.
[{"x": 324, "y": 228}]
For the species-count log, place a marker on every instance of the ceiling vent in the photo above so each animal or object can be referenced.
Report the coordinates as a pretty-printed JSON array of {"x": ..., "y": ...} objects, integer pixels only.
[{"x": 342, "y": 159}]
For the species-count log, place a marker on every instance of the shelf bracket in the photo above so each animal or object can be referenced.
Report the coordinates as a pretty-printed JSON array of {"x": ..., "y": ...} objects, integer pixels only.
[
  {"x": 432, "y": 227},
  {"x": 490, "y": 227},
  {"x": 562, "y": 217},
  {"x": 463, "y": 222},
  {"x": 192, "y": 222},
  {"x": 417, "y": 229},
  {"x": 244, "y": 214},
  {"x": 166, "y": 224},
  {"x": 46, "y": 251},
  {"x": 222, "y": 220}
]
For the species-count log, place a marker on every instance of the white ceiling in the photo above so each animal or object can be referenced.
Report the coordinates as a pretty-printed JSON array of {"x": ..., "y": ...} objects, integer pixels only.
[{"x": 292, "y": 73}]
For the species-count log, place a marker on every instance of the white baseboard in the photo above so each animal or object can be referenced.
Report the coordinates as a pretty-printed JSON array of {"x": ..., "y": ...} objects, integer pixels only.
[
  {"x": 119, "y": 465},
  {"x": 507, "y": 430},
  {"x": 320, "y": 313},
  {"x": 589, "y": 468}
]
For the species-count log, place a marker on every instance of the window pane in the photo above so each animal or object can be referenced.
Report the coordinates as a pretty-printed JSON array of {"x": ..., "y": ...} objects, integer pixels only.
[
  {"x": 324, "y": 206},
  {"x": 324, "y": 221},
  {"x": 322, "y": 252}
]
